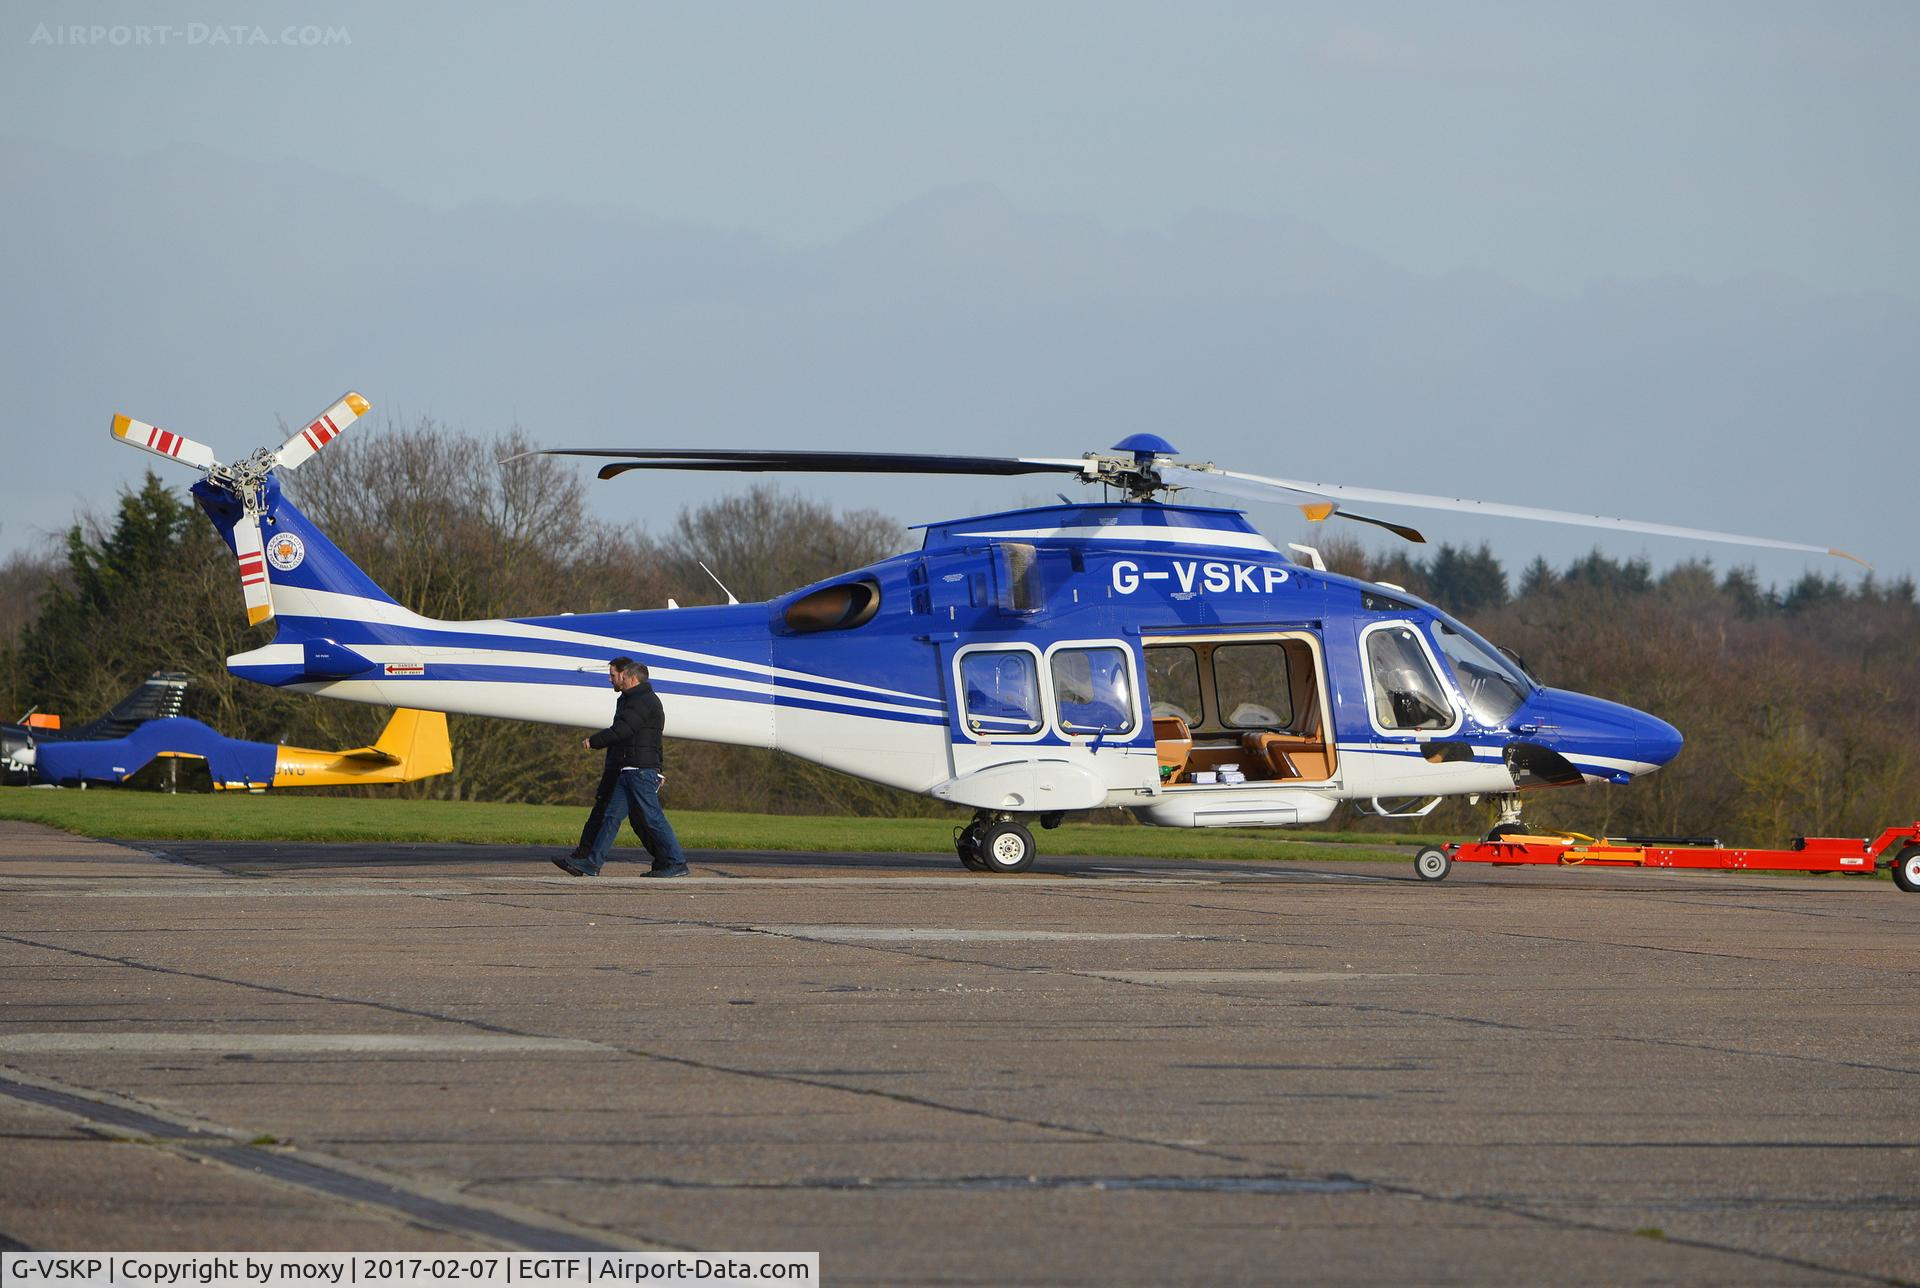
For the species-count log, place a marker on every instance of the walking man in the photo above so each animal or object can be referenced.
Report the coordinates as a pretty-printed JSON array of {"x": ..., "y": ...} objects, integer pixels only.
[
  {"x": 603, "y": 794},
  {"x": 632, "y": 744}
]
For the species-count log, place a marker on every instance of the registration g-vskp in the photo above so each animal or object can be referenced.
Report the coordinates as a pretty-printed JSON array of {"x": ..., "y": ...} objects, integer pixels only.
[
  {"x": 1196, "y": 577},
  {"x": 56, "y": 1269}
]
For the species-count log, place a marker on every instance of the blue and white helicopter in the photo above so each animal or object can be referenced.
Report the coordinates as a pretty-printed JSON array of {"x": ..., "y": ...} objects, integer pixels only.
[{"x": 1131, "y": 652}]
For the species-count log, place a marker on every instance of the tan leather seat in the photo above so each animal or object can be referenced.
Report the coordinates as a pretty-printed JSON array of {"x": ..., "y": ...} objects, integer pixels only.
[
  {"x": 1289, "y": 755},
  {"x": 1271, "y": 757},
  {"x": 1173, "y": 741}
]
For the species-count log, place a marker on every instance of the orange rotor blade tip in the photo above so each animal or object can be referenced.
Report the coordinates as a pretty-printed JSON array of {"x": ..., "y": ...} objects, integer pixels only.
[
  {"x": 358, "y": 404},
  {"x": 1319, "y": 512},
  {"x": 121, "y": 424},
  {"x": 1856, "y": 558}
]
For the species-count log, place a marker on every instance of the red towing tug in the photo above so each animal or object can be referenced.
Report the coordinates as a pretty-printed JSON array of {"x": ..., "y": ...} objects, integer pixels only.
[{"x": 1897, "y": 847}]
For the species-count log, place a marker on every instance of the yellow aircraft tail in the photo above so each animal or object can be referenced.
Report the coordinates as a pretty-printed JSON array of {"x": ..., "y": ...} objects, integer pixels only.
[{"x": 413, "y": 745}]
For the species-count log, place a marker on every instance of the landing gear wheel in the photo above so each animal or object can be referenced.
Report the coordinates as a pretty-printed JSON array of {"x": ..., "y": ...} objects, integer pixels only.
[
  {"x": 967, "y": 843},
  {"x": 1432, "y": 864},
  {"x": 1906, "y": 869},
  {"x": 1006, "y": 847},
  {"x": 1502, "y": 831}
]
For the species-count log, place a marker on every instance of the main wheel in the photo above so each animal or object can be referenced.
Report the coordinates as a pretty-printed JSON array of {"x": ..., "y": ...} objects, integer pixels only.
[
  {"x": 967, "y": 844},
  {"x": 1006, "y": 847},
  {"x": 1432, "y": 864},
  {"x": 1906, "y": 869},
  {"x": 1504, "y": 830}
]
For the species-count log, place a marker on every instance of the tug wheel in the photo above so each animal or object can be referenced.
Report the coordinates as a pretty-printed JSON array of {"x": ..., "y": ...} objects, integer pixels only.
[
  {"x": 1432, "y": 864},
  {"x": 966, "y": 843},
  {"x": 1006, "y": 847},
  {"x": 1906, "y": 869}
]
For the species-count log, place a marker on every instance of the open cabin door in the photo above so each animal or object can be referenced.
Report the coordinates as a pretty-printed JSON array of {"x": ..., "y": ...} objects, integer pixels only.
[{"x": 1240, "y": 709}]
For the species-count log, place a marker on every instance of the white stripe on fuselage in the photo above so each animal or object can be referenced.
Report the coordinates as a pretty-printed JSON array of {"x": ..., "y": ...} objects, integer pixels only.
[
  {"x": 1132, "y": 534},
  {"x": 294, "y": 601}
]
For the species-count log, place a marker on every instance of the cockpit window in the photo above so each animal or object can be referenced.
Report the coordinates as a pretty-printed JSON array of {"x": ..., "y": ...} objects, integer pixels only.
[
  {"x": 1493, "y": 687},
  {"x": 1406, "y": 692}
]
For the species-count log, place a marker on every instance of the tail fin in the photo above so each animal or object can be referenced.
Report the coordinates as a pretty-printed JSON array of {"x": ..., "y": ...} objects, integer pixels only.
[
  {"x": 159, "y": 697},
  {"x": 307, "y": 575},
  {"x": 418, "y": 740}
]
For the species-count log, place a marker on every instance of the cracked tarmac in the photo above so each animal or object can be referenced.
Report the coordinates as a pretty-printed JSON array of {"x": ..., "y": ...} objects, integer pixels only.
[{"x": 1110, "y": 1071}]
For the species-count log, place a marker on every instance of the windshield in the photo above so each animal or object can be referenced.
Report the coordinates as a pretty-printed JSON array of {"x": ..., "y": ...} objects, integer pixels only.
[{"x": 1492, "y": 685}]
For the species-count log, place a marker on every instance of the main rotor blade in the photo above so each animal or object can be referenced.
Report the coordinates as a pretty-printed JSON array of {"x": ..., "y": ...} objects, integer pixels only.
[
  {"x": 320, "y": 431},
  {"x": 1288, "y": 491},
  {"x": 162, "y": 442},
  {"x": 818, "y": 462}
]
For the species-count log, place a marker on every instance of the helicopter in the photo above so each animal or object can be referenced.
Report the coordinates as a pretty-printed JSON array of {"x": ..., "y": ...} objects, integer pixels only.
[{"x": 1132, "y": 651}]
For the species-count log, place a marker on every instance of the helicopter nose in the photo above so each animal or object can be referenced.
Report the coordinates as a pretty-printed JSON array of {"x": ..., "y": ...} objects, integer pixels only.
[{"x": 1607, "y": 740}]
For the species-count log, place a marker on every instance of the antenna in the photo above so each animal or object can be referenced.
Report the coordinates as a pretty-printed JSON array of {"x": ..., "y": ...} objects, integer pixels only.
[
  {"x": 1313, "y": 556},
  {"x": 716, "y": 581}
]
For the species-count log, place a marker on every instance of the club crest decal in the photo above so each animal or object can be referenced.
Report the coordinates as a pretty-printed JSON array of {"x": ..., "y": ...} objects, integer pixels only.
[{"x": 285, "y": 551}]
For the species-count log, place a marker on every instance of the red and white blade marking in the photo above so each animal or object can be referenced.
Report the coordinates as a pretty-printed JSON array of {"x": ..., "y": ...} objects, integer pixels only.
[
  {"x": 162, "y": 442},
  {"x": 321, "y": 430},
  {"x": 253, "y": 569}
]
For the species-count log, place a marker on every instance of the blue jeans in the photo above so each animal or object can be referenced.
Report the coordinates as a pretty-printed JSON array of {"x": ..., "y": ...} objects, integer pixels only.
[{"x": 637, "y": 793}]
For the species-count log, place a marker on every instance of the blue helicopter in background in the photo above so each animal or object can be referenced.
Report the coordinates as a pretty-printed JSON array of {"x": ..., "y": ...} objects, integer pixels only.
[{"x": 1131, "y": 652}]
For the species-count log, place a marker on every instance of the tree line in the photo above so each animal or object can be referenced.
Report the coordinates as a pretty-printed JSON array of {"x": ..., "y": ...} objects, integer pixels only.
[{"x": 1799, "y": 705}]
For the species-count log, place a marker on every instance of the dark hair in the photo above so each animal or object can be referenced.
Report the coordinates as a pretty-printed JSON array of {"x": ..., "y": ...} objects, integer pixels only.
[
  {"x": 620, "y": 663},
  {"x": 627, "y": 666}
]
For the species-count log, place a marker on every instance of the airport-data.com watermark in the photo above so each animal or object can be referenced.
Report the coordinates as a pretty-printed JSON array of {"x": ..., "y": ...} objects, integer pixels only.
[{"x": 192, "y": 35}]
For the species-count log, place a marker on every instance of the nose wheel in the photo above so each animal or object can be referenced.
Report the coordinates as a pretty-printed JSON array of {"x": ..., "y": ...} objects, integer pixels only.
[
  {"x": 995, "y": 844},
  {"x": 1508, "y": 824}
]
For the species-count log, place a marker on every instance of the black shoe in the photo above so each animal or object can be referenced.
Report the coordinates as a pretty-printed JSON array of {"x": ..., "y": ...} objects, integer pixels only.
[
  {"x": 566, "y": 866},
  {"x": 680, "y": 871}
]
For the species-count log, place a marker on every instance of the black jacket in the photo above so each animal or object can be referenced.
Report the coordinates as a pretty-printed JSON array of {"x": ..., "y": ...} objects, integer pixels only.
[{"x": 633, "y": 739}]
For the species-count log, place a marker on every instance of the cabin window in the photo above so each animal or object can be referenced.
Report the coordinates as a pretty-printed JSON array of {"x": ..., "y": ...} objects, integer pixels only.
[
  {"x": 1001, "y": 688},
  {"x": 1173, "y": 682},
  {"x": 1405, "y": 691},
  {"x": 1093, "y": 690},
  {"x": 1250, "y": 682}
]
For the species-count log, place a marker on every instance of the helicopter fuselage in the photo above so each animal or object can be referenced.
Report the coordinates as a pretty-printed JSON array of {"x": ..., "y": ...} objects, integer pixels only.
[{"x": 1161, "y": 658}]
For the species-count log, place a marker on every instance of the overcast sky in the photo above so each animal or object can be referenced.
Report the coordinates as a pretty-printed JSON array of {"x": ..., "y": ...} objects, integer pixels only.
[{"x": 1555, "y": 152}]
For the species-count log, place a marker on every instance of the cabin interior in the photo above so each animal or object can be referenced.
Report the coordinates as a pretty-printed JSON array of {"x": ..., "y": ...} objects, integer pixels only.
[{"x": 1251, "y": 702}]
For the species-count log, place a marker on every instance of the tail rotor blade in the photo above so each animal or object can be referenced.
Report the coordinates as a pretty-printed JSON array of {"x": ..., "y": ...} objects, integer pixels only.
[
  {"x": 320, "y": 431},
  {"x": 163, "y": 442},
  {"x": 252, "y": 558}
]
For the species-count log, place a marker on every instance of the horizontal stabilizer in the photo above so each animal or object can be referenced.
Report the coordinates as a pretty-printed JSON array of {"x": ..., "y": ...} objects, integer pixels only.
[
  {"x": 324, "y": 659},
  {"x": 372, "y": 755}
]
